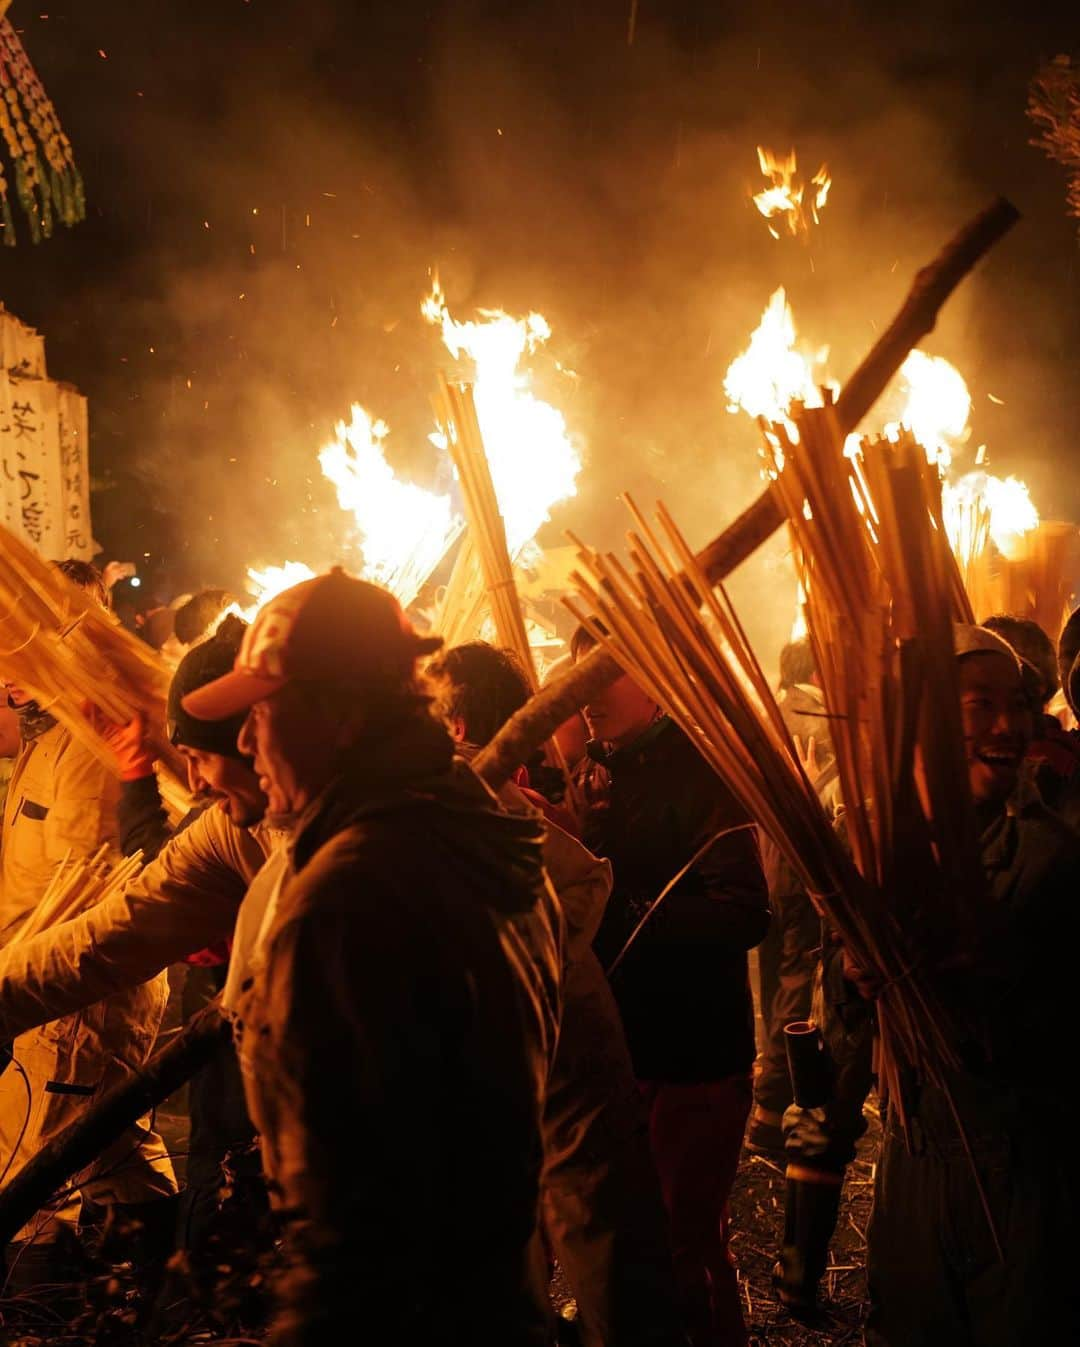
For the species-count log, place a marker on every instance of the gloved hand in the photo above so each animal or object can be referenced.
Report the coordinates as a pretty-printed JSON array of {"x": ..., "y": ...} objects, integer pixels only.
[{"x": 129, "y": 743}]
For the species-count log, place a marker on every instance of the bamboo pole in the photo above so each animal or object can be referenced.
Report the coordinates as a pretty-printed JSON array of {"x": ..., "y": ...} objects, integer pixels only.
[{"x": 555, "y": 703}]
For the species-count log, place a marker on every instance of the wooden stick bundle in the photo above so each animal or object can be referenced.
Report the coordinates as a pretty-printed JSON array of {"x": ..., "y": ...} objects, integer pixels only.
[
  {"x": 461, "y": 608},
  {"x": 76, "y": 886},
  {"x": 487, "y": 533},
  {"x": 880, "y": 589},
  {"x": 1039, "y": 580},
  {"x": 62, "y": 647}
]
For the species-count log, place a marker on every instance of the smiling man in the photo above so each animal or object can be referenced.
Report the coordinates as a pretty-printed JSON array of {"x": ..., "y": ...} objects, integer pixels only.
[{"x": 935, "y": 1274}]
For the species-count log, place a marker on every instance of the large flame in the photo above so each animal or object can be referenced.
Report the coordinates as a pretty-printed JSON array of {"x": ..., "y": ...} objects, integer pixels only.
[
  {"x": 937, "y": 405},
  {"x": 788, "y": 196},
  {"x": 533, "y": 463},
  {"x": 934, "y": 405},
  {"x": 404, "y": 530},
  {"x": 978, "y": 505},
  {"x": 772, "y": 373}
]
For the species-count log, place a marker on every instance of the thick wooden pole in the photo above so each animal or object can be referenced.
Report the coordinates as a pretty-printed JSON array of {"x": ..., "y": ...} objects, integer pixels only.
[
  {"x": 82, "y": 1141},
  {"x": 525, "y": 731}
]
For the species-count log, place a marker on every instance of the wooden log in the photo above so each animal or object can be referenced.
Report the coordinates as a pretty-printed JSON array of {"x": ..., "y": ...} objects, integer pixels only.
[
  {"x": 82, "y": 1141},
  {"x": 528, "y": 728}
]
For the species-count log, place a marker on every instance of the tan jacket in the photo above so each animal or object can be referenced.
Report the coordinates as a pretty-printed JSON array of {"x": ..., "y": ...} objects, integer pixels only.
[
  {"x": 185, "y": 900},
  {"x": 62, "y": 801},
  {"x": 60, "y": 797}
]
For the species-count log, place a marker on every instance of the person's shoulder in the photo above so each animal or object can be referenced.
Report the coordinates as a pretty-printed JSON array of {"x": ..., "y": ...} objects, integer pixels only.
[
  {"x": 689, "y": 775},
  {"x": 360, "y": 857},
  {"x": 74, "y": 755},
  {"x": 1047, "y": 843},
  {"x": 211, "y": 838},
  {"x": 1035, "y": 819}
]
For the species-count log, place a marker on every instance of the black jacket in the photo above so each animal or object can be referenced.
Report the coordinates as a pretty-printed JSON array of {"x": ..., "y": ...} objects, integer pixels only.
[
  {"x": 397, "y": 1034},
  {"x": 682, "y": 989}
]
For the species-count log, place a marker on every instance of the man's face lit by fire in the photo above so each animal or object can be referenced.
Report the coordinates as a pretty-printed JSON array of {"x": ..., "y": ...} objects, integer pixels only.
[
  {"x": 228, "y": 781},
  {"x": 619, "y": 713},
  {"x": 997, "y": 725},
  {"x": 17, "y": 696},
  {"x": 295, "y": 747}
]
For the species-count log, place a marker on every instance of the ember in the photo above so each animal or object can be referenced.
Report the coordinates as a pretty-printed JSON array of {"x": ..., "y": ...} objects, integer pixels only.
[{"x": 789, "y": 196}]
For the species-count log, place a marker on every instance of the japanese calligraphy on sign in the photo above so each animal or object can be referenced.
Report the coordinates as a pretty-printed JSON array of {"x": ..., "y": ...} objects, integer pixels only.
[{"x": 44, "y": 464}]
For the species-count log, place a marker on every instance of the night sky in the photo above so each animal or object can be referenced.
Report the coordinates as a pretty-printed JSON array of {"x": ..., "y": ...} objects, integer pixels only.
[{"x": 268, "y": 185}]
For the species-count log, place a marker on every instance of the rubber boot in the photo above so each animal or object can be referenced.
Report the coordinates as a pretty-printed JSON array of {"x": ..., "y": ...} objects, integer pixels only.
[{"x": 810, "y": 1210}]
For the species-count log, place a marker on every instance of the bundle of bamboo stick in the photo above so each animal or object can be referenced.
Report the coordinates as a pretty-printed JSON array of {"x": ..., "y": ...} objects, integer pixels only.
[
  {"x": 77, "y": 885},
  {"x": 881, "y": 592},
  {"x": 463, "y": 602},
  {"x": 487, "y": 534},
  {"x": 970, "y": 526},
  {"x": 62, "y": 647},
  {"x": 1038, "y": 579}
]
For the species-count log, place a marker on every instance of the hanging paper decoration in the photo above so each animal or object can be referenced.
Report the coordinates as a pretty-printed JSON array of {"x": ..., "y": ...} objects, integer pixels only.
[{"x": 36, "y": 162}]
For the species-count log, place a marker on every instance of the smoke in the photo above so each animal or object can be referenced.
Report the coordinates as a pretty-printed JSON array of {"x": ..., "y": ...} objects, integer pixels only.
[{"x": 266, "y": 213}]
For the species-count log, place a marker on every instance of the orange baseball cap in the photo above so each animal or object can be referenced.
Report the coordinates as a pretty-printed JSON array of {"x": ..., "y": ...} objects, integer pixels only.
[{"x": 332, "y": 627}]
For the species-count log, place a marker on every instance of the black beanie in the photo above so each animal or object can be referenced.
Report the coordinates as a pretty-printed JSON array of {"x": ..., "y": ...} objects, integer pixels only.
[{"x": 201, "y": 665}]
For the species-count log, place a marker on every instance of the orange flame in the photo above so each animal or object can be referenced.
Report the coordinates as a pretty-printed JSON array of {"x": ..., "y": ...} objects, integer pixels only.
[
  {"x": 788, "y": 196},
  {"x": 772, "y": 373},
  {"x": 268, "y": 583},
  {"x": 533, "y": 461},
  {"x": 404, "y": 530},
  {"x": 978, "y": 504},
  {"x": 936, "y": 407}
]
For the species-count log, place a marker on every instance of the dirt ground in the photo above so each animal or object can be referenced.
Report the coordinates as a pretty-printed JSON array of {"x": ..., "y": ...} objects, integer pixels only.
[
  {"x": 758, "y": 1222},
  {"x": 757, "y": 1214}
]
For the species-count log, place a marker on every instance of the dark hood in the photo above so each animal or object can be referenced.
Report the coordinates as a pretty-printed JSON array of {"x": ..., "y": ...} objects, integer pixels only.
[{"x": 410, "y": 769}]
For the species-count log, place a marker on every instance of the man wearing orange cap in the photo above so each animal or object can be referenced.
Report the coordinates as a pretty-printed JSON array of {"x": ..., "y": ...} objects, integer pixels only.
[{"x": 395, "y": 991}]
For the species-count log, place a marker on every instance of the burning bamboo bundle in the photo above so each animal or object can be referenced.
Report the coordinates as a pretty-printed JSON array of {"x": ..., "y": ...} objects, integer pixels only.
[
  {"x": 933, "y": 285},
  {"x": 487, "y": 532},
  {"x": 968, "y": 525},
  {"x": 1038, "y": 578},
  {"x": 881, "y": 591},
  {"x": 77, "y": 885},
  {"x": 64, "y": 649},
  {"x": 460, "y": 612}
]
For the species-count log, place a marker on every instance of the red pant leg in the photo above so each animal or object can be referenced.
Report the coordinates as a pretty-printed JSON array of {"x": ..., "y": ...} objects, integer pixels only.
[{"x": 696, "y": 1132}]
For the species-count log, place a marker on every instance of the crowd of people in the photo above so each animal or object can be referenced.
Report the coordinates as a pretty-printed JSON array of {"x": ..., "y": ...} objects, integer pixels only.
[{"x": 476, "y": 1034}]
